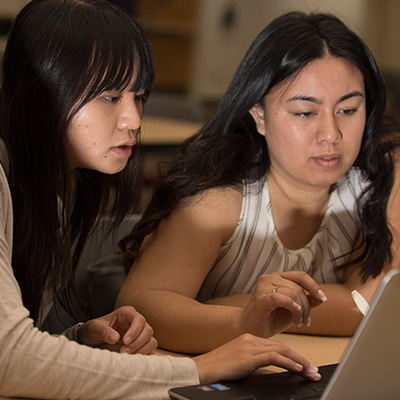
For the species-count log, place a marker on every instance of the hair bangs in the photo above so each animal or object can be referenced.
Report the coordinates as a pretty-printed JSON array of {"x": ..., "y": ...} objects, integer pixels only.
[{"x": 120, "y": 55}]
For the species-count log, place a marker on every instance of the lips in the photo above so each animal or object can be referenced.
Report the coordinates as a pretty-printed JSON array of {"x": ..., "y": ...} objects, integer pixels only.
[
  {"x": 124, "y": 150},
  {"x": 328, "y": 156},
  {"x": 327, "y": 160}
]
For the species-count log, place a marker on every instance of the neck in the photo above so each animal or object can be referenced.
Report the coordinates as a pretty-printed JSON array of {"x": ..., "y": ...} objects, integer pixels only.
[
  {"x": 297, "y": 212},
  {"x": 296, "y": 197}
]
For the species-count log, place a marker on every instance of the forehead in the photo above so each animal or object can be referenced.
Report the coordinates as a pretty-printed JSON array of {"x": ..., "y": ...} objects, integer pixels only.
[{"x": 330, "y": 77}]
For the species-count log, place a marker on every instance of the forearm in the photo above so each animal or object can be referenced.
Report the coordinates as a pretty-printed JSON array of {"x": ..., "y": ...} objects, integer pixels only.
[
  {"x": 235, "y": 300},
  {"x": 184, "y": 325},
  {"x": 339, "y": 316}
]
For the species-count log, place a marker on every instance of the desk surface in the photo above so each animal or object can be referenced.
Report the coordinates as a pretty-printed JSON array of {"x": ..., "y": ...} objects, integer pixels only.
[{"x": 319, "y": 350}]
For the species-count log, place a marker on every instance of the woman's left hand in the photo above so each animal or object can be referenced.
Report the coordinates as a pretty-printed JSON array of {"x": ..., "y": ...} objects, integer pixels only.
[
  {"x": 124, "y": 330},
  {"x": 279, "y": 299}
]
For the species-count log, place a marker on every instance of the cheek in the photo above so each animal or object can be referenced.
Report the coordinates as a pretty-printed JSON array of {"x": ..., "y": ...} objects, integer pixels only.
[
  {"x": 285, "y": 135},
  {"x": 356, "y": 134}
]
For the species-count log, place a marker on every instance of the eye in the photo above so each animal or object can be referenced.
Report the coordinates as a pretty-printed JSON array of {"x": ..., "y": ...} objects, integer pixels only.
[
  {"x": 348, "y": 111},
  {"x": 112, "y": 99},
  {"x": 304, "y": 114}
]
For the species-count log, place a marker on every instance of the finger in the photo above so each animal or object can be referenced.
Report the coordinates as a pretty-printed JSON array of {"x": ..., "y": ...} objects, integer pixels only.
[
  {"x": 147, "y": 349},
  {"x": 297, "y": 294},
  {"x": 96, "y": 331},
  {"x": 272, "y": 301},
  {"x": 313, "y": 302},
  {"x": 286, "y": 284},
  {"x": 282, "y": 356},
  {"x": 307, "y": 283},
  {"x": 109, "y": 335},
  {"x": 142, "y": 339},
  {"x": 282, "y": 361},
  {"x": 136, "y": 327}
]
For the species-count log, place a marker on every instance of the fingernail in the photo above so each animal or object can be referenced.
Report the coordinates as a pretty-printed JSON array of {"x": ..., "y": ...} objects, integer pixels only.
[
  {"x": 322, "y": 295},
  {"x": 128, "y": 339},
  {"x": 125, "y": 349},
  {"x": 315, "y": 377},
  {"x": 297, "y": 306},
  {"x": 300, "y": 323},
  {"x": 111, "y": 336},
  {"x": 312, "y": 369},
  {"x": 308, "y": 322}
]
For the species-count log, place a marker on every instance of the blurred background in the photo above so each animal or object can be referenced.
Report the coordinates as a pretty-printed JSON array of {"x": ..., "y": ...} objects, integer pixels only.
[{"x": 198, "y": 45}]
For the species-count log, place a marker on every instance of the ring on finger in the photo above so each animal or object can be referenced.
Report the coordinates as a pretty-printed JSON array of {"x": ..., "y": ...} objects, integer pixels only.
[{"x": 275, "y": 289}]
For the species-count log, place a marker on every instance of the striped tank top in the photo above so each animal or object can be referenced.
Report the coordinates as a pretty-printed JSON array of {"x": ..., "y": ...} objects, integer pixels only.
[{"x": 255, "y": 249}]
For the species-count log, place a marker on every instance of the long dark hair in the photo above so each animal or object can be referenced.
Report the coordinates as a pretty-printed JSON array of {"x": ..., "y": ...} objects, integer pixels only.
[
  {"x": 228, "y": 148},
  {"x": 60, "y": 55}
]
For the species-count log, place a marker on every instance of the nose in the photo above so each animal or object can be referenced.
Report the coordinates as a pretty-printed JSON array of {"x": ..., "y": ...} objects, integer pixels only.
[
  {"x": 130, "y": 117},
  {"x": 329, "y": 130}
]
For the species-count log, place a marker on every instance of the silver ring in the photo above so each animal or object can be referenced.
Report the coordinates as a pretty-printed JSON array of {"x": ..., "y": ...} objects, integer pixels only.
[{"x": 275, "y": 289}]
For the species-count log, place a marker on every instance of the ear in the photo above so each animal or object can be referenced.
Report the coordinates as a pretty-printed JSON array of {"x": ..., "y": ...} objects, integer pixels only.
[{"x": 257, "y": 112}]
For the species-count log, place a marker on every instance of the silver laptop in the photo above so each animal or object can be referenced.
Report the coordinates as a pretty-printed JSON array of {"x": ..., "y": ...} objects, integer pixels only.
[{"x": 369, "y": 369}]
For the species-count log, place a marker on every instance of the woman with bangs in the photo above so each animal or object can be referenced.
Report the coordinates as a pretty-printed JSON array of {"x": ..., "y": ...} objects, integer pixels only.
[
  {"x": 285, "y": 198},
  {"x": 75, "y": 77}
]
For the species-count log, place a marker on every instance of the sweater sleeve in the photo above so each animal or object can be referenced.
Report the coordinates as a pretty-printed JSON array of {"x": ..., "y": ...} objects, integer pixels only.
[{"x": 35, "y": 364}]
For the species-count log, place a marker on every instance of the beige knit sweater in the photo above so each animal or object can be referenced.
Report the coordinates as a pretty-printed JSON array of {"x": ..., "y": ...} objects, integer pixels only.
[{"x": 35, "y": 364}]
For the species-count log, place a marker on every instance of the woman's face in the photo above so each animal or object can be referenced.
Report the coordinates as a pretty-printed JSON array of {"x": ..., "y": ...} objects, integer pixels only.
[
  {"x": 101, "y": 135},
  {"x": 314, "y": 124}
]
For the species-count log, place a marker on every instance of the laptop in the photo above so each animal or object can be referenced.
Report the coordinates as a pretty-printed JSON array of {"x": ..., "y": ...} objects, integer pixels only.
[{"x": 368, "y": 370}]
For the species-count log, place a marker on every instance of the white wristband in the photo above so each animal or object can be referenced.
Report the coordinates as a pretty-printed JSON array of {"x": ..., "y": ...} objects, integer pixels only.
[{"x": 361, "y": 303}]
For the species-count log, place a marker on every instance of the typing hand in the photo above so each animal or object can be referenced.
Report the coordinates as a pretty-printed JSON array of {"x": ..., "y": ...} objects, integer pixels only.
[
  {"x": 245, "y": 355},
  {"x": 124, "y": 330}
]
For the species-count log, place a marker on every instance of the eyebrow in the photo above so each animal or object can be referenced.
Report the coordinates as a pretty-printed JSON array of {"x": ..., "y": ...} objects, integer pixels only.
[{"x": 318, "y": 101}]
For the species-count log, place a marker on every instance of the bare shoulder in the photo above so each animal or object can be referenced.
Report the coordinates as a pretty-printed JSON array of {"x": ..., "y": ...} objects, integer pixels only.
[{"x": 216, "y": 209}]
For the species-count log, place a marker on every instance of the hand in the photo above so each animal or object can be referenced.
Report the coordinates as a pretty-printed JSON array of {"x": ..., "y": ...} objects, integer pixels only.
[
  {"x": 123, "y": 330},
  {"x": 279, "y": 300},
  {"x": 246, "y": 355}
]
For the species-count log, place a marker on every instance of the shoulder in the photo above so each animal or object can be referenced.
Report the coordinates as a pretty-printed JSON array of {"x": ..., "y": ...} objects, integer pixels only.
[{"x": 216, "y": 209}]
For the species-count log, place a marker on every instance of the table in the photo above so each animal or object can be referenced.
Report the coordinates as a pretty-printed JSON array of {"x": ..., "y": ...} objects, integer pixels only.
[{"x": 319, "y": 350}]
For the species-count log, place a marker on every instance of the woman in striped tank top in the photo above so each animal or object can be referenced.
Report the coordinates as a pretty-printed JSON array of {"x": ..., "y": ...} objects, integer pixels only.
[{"x": 281, "y": 200}]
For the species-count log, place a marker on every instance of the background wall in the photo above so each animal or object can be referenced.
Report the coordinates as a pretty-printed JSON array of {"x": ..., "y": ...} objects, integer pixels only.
[
  {"x": 221, "y": 46},
  {"x": 11, "y": 7},
  {"x": 198, "y": 44}
]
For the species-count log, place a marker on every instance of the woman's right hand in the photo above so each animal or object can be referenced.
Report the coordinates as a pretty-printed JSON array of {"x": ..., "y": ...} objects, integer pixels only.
[
  {"x": 246, "y": 355},
  {"x": 280, "y": 299}
]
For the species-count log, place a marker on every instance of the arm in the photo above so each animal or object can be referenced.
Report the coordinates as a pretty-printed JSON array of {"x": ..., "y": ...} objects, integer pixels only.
[
  {"x": 172, "y": 265},
  {"x": 34, "y": 364},
  {"x": 339, "y": 316}
]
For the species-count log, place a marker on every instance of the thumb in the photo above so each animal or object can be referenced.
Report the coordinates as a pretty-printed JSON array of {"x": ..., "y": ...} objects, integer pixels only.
[{"x": 109, "y": 335}]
